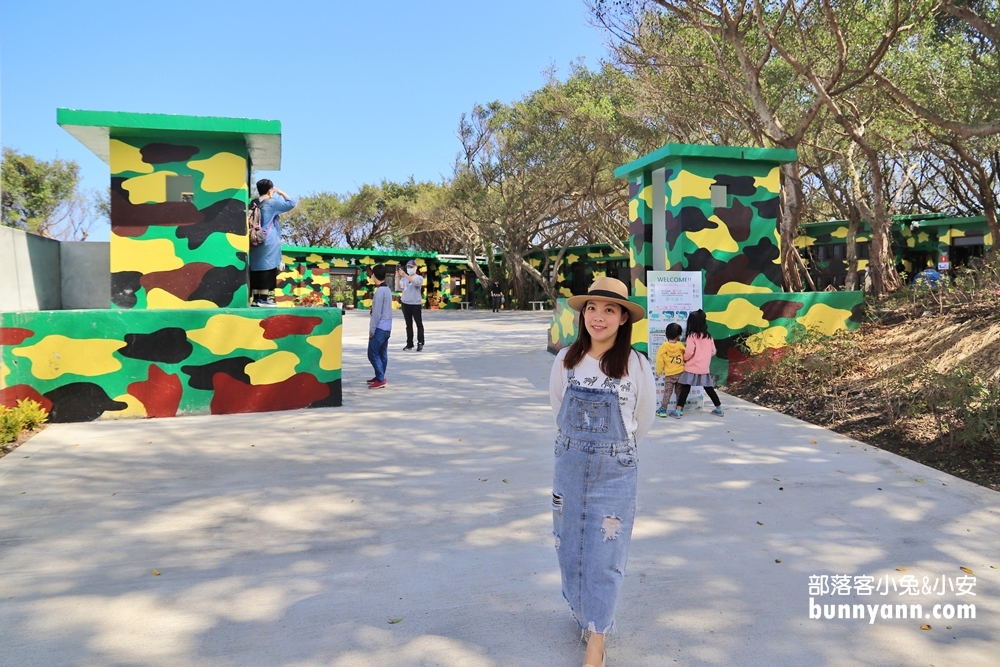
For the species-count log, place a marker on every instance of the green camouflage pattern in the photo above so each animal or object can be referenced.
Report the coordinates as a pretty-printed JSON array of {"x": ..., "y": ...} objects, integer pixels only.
[
  {"x": 917, "y": 242},
  {"x": 737, "y": 245},
  {"x": 97, "y": 364},
  {"x": 312, "y": 270},
  {"x": 593, "y": 258},
  {"x": 178, "y": 221}
]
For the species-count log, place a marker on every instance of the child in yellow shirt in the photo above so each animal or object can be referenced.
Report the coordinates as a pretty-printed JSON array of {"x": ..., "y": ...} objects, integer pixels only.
[{"x": 670, "y": 364}]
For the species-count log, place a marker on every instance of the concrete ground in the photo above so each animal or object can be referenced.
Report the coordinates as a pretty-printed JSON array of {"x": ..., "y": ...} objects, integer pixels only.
[{"x": 412, "y": 527}]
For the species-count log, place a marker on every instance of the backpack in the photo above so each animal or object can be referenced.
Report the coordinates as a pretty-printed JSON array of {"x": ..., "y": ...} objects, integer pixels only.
[{"x": 257, "y": 231}]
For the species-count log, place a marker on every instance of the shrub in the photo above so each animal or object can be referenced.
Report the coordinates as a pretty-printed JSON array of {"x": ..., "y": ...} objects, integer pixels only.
[{"x": 28, "y": 415}]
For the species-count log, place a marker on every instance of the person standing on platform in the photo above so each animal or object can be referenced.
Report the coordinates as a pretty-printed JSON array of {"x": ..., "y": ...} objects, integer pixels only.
[
  {"x": 265, "y": 259},
  {"x": 412, "y": 302}
]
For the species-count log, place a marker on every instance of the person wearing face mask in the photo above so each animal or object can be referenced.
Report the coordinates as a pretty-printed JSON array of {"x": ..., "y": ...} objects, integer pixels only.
[{"x": 412, "y": 301}]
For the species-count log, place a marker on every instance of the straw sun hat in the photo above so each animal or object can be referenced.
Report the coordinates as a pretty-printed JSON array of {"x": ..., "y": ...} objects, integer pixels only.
[{"x": 608, "y": 289}]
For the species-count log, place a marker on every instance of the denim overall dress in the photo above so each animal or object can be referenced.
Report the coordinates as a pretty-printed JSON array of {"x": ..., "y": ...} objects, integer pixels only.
[{"x": 593, "y": 502}]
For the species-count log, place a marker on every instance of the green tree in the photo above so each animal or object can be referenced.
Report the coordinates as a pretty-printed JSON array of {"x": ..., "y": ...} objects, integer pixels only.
[
  {"x": 33, "y": 190},
  {"x": 374, "y": 216},
  {"x": 538, "y": 174}
]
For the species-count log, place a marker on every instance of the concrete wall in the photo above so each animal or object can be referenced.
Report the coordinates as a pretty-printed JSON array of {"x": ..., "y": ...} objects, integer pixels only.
[
  {"x": 82, "y": 365},
  {"x": 29, "y": 272},
  {"x": 38, "y": 273},
  {"x": 86, "y": 274}
]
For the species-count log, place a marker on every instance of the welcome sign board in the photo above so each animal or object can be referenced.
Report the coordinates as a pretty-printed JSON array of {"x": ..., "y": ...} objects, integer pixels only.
[{"x": 671, "y": 297}]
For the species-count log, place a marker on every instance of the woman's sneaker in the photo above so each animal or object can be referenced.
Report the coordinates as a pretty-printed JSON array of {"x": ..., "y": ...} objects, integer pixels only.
[
  {"x": 676, "y": 414},
  {"x": 718, "y": 411},
  {"x": 662, "y": 412}
]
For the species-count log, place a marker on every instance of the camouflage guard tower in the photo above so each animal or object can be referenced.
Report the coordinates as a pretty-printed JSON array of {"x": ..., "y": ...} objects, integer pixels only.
[
  {"x": 177, "y": 337},
  {"x": 715, "y": 209},
  {"x": 179, "y": 195},
  {"x": 710, "y": 208}
]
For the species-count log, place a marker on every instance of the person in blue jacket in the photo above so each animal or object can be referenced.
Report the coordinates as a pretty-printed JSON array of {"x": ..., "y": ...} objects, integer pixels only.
[{"x": 265, "y": 259}]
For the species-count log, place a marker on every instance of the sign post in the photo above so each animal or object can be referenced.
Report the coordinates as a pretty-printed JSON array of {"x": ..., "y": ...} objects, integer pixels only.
[{"x": 672, "y": 296}]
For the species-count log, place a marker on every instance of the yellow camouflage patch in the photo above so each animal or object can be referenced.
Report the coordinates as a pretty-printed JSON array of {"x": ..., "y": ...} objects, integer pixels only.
[
  {"x": 739, "y": 314},
  {"x": 135, "y": 408},
  {"x": 686, "y": 184},
  {"x": 222, "y": 171},
  {"x": 718, "y": 238},
  {"x": 824, "y": 319},
  {"x": 125, "y": 158},
  {"x": 640, "y": 331},
  {"x": 143, "y": 256},
  {"x": 771, "y": 182},
  {"x": 273, "y": 368},
  {"x": 148, "y": 189},
  {"x": 240, "y": 242},
  {"x": 224, "y": 333},
  {"x": 161, "y": 299},
  {"x": 57, "y": 355},
  {"x": 647, "y": 196},
  {"x": 773, "y": 337},
  {"x": 740, "y": 288}
]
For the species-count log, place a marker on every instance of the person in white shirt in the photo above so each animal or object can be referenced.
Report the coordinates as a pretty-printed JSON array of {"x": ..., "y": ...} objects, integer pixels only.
[{"x": 604, "y": 397}]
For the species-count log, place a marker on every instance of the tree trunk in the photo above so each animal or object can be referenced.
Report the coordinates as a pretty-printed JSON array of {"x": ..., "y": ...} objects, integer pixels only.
[
  {"x": 788, "y": 224},
  {"x": 880, "y": 263},
  {"x": 851, "y": 281},
  {"x": 989, "y": 201}
]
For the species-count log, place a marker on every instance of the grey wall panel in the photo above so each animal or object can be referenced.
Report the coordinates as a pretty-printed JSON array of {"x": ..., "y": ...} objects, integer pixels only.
[
  {"x": 30, "y": 274},
  {"x": 86, "y": 274}
]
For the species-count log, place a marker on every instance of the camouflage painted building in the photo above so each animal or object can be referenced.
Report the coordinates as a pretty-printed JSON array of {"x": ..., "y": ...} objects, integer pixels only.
[
  {"x": 918, "y": 241},
  {"x": 178, "y": 336},
  {"x": 319, "y": 270},
  {"x": 715, "y": 209}
]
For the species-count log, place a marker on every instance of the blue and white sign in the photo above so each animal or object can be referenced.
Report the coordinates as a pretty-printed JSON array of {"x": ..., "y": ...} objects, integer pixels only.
[{"x": 671, "y": 297}]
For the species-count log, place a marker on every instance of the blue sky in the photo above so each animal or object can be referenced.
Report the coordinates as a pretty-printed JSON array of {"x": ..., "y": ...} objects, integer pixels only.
[{"x": 364, "y": 90}]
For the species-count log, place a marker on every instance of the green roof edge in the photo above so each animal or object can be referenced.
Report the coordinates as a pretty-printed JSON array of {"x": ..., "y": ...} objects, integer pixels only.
[
  {"x": 359, "y": 251},
  {"x": 161, "y": 121},
  {"x": 671, "y": 152}
]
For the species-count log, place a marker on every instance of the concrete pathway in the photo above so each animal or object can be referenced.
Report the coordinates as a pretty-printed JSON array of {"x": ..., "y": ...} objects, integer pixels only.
[{"x": 412, "y": 527}]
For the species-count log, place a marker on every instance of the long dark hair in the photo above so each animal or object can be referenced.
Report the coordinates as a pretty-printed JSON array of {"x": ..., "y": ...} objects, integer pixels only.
[
  {"x": 698, "y": 325},
  {"x": 614, "y": 363}
]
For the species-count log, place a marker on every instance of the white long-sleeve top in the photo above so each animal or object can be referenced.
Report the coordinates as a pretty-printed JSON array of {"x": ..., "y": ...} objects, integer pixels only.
[{"x": 636, "y": 391}]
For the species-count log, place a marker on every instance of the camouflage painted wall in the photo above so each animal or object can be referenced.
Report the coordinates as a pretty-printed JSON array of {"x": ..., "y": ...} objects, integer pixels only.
[
  {"x": 178, "y": 221},
  {"x": 444, "y": 277},
  {"x": 916, "y": 240},
  {"x": 303, "y": 276},
  {"x": 640, "y": 232},
  {"x": 87, "y": 365},
  {"x": 309, "y": 270},
  {"x": 592, "y": 259},
  {"x": 737, "y": 245}
]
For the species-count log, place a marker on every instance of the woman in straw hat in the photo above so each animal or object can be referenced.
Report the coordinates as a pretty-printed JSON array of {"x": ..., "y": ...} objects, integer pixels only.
[{"x": 604, "y": 398}]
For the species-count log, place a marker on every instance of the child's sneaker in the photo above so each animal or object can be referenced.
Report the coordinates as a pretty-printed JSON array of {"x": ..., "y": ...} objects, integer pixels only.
[
  {"x": 662, "y": 412},
  {"x": 718, "y": 411},
  {"x": 676, "y": 414}
]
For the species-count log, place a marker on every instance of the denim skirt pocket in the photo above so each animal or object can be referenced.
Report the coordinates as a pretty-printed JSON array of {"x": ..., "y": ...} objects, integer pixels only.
[
  {"x": 626, "y": 459},
  {"x": 562, "y": 446}
]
